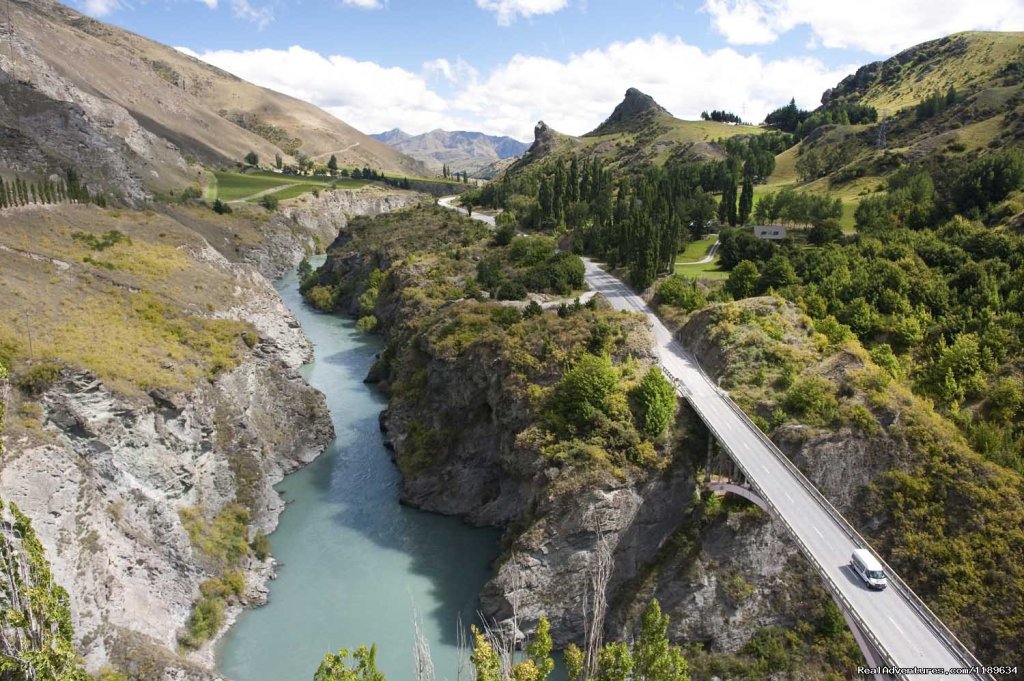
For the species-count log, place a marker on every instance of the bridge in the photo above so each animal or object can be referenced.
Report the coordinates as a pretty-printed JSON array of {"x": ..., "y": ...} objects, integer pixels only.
[{"x": 894, "y": 628}]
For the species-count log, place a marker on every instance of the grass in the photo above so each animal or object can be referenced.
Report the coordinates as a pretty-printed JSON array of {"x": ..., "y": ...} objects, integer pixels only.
[
  {"x": 139, "y": 312},
  {"x": 241, "y": 186},
  {"x": 695, "y": 250},
  {"x": 708, "y": 270}
]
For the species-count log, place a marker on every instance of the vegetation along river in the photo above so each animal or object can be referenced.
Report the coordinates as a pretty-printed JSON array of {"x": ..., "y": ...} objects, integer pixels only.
[{"x": 354, "y": 564}]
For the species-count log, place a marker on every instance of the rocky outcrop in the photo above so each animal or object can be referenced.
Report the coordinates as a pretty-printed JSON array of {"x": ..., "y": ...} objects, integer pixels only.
[
  {"x": 635, "y": 111},
  {"x": 310, "y": 223},
  {"x": 106, "y": 479}
]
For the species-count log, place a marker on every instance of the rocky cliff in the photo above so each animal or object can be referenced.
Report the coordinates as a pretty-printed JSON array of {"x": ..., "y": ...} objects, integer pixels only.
[
  {"x": 107, "y": 471},
  {"x": 588, "y": 536}
]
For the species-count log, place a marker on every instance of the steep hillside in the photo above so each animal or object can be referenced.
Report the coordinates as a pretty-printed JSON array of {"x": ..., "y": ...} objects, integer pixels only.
[
  {"x": 944, "y": 102},
  {"x": 638, "y": 132},
  {"x": 167, "y": 107},
  {"x": 460, "y": 151}
]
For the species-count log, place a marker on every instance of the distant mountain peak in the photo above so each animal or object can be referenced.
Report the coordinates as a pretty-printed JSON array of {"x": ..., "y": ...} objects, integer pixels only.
[{"x": 634, "y": 111}]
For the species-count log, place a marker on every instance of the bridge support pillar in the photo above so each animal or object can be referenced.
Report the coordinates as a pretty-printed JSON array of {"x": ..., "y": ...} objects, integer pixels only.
[{"x": 870, "y": 654}]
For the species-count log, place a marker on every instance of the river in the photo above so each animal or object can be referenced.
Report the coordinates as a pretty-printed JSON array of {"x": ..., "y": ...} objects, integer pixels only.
[{"x": 354, "y": 564}]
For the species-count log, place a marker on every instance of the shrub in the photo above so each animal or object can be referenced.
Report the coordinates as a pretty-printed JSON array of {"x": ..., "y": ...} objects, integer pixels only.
[
  {"x": 681, "y": 292},
  {"x": 367, "y": 324},
  {"x": 269, "y": 201},
  {"x": 261, "y": 546},
  {"x": 505, "y": 316},
  {"x": 38, "y": 379},
  {"x": 323, "y": 298},
  {"x": 585, "y": 389},
  {"x": 811, "y": 397},
  {"x": 505, "y": 233},
  {"x": 206, "y": 620},
  {"x": 221, "y": 208},
  {"x": 654, "y": 402}
]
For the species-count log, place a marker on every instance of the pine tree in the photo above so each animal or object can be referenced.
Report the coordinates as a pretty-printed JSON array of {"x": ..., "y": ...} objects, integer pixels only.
[
  {"x": 3, "y": 194},
  {"x": 332, "y": 164}
]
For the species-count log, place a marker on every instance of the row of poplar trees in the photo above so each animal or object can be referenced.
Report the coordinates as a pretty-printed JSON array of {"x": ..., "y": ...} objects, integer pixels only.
[{"x": 18, "y": 192}]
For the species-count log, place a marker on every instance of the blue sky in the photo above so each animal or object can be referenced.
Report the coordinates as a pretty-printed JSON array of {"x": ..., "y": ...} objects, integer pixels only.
[{"x": 500, "y": 65}]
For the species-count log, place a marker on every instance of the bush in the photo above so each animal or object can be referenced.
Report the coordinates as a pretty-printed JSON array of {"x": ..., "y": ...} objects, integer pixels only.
[
  {"x": 654, "y": 403},
  {"x": 206, "y": 620},
  {"x": 38, "y": 379},
  {"x": 813, "y": 398},
  {"x": 681, "y": 292},
  {"x": 367, "y": 324},
  {"x": 261, "y": 546},
  {"x": 269, "y": 201},
  {"x": 505, "y": 316},
  {"x": 505, "y": 233},
  {"x": 220, "y": 208},
  {"x": 585, "y": 389},
  {"x": 324, "y": 298}
]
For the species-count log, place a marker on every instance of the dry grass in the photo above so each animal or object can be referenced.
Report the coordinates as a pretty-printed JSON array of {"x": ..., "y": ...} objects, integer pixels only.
[{"x": 139, "y": 313}]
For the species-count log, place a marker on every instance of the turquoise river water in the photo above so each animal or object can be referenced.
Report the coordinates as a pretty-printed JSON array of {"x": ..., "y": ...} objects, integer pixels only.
[{"x": 354, "y": 564}]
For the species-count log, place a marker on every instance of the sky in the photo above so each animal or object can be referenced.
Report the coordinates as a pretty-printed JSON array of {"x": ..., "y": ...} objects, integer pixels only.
[{"x": 499, "y": 66}]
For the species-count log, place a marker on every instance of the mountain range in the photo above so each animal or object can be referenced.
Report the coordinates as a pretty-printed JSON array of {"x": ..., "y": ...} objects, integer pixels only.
[{"x": 473, "y": 152}]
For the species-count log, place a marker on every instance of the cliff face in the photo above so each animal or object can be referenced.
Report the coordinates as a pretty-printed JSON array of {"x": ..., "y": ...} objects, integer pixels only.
[{"x": 107, "y": 475}]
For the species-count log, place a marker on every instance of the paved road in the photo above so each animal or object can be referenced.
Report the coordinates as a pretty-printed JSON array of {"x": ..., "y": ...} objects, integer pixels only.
[
  {"x": 890, "y": 618},
  {"x": 906, "y": 636},
  {"x": 706, "y": 259}
]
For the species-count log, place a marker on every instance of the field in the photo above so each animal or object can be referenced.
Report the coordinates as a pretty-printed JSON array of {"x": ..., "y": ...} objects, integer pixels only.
[
  {"x": 231, "y": 187},
  {"x": 695, "y": 250}
]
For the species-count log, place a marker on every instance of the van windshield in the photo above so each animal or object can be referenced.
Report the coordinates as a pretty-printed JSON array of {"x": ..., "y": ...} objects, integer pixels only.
[{"x": 876, "y": 574}]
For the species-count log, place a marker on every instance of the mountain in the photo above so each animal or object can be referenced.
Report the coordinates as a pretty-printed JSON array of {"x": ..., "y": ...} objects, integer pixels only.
[
  {"x": 639, "y": 131},
  {"x": 472, "y": 152},
  {"x": 160, "y": 108}
]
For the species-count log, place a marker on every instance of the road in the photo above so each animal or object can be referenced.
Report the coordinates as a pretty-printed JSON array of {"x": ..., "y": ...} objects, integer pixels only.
[
  {"x": 706, "y": 259},
  {"x": 889, "y": 617},
  {"x": 893, "y": 621}
]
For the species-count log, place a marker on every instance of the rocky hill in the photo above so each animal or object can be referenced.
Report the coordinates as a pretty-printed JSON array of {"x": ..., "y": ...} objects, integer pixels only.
[
  {"x": 638, "y": 132},
  {"x": 471, "y": 152},
  {"x": 161, "y": 108}
]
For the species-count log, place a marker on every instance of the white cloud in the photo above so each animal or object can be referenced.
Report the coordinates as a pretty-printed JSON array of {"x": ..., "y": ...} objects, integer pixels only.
[
  {"x": 364, "y": 4},
  {"x": 572, "y": 96},
  {"x": 243, "y": 9},
  {"x": 459, "y": 72},
  {"x": 99, "y": 8},
  {"x": 364, "y": 94},
  {"x": 576, "y": 95},
  {"x": 878, "y": 26},
  {"x": 507, "y": 10}
]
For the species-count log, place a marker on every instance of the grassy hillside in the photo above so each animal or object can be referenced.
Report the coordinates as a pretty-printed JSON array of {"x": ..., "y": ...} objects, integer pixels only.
[
  {"x": 638, "y": 132},
  {"x": 206, "y": 114},
  {"x": 947, "y": 101},
  {"x": 75, "y": 274}
]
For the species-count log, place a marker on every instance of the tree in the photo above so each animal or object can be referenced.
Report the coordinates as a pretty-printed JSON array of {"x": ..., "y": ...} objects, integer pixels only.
[
  {"x": 484, "y": 658},
  {"x": 614, "y": 663},
  {"x": 654, "y": 658},
  {"x": 573, "y": 657},
  {"x": 585, "y": 389},
  {"x": 654, "y": 402},
  {"x": 334, "y": 666},
  {"x": 743, "y": 280},
  {"x": 278, "y": 162},
  {"x": 778, "y": 273},
  {"x": 539, "y": 650},
  {"x": 332, "y": 164},
  {"x": 252, "y": 158},
  {"x": 36, "y": 635},
  {"x": 746, "y": 199}
]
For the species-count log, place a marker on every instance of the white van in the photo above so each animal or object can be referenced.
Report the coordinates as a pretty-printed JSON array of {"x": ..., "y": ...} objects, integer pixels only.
[{"x": 869, "y": 569}]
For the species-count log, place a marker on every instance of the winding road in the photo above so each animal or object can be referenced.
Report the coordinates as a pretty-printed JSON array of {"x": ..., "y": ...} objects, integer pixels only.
[{"x": 894, "y": 623}]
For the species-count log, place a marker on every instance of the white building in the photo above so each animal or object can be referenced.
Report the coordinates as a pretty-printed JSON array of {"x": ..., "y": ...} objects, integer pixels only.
[{"x": 770, "y": 232}]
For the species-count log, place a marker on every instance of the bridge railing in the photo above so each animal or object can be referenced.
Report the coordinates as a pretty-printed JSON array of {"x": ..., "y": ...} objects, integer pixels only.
[{"x": 948, "y": 637}]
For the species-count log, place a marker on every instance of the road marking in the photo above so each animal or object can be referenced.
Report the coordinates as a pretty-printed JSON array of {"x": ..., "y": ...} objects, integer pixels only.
[
  {"x": 818, "y": 531},
  {"x": 789, "y": 497},
  {"x": 900, "y": 629}
]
